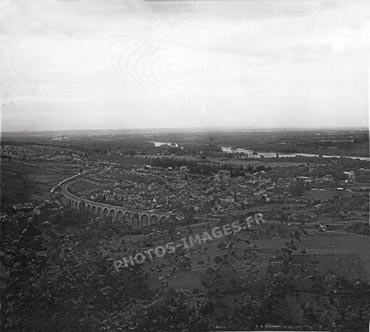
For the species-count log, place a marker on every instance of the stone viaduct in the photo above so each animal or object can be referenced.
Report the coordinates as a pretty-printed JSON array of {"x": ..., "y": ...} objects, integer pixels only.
[{"x": 135, "y": 218}]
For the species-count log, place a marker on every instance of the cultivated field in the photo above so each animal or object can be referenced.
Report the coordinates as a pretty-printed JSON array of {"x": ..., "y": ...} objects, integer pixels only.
[{"x": 24, "y": 181}]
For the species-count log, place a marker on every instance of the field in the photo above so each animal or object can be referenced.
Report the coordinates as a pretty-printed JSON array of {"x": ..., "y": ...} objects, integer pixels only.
[
  {"x": 84, "y": 187},
  {"x": 327, "y": 194},
  {"x": 31, "y": 181},
  {"x": 240, "y": 162},
  {"x": 345, "y": 253}
]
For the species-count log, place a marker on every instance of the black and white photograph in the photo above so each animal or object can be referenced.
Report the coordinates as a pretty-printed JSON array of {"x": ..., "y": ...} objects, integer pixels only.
[{"x": 184, "y": 165}]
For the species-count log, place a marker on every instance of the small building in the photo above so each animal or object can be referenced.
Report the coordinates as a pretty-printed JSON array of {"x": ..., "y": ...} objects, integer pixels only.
[{"x": 350, "y": 176}]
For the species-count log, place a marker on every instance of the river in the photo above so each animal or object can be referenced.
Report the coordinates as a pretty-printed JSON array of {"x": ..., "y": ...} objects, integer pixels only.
[{"x": 257, "y": 155}]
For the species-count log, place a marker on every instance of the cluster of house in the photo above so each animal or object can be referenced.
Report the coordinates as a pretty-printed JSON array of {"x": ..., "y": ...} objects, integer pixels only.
[
  {"x": 41, "y": 152},
  {"x": 151, "y": 188},
  {"x": 215, "y": 195},
  {"x": 180, "y": 190}
]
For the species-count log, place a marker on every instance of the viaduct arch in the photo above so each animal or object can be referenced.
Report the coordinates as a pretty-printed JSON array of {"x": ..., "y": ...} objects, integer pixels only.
[{"x": 133, "y": 217}]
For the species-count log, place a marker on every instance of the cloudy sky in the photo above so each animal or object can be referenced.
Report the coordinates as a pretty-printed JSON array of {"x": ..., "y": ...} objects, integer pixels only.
[{"x": 101, "y": 64}]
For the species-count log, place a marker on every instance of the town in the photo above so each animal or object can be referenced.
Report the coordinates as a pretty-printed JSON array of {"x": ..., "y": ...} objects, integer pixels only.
[{"x": 108, "y": 197}]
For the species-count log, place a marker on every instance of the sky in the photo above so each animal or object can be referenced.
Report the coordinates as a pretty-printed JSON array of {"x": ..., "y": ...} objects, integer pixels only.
[{"x": 117, "y": 64}]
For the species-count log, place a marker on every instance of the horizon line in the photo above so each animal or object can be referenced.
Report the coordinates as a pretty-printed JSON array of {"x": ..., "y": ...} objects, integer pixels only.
[{"x": 227, "y": 128}]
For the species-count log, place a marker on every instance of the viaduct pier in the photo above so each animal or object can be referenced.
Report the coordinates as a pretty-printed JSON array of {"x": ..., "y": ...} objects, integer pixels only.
[{"x": 134, "y": 217}]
